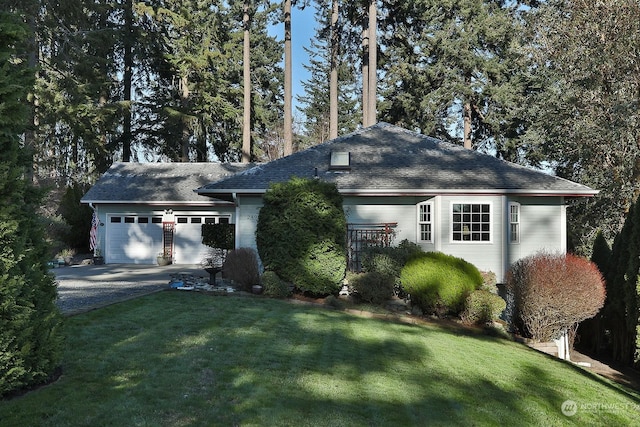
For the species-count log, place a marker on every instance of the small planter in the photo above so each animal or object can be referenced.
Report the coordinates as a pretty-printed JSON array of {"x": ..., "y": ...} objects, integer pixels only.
[
  {"x": 212, "y": 273},
  {"x": 256, "y": 289},
  {"x": 162, "y": 261},
  {"x": 98, "y": 260}
]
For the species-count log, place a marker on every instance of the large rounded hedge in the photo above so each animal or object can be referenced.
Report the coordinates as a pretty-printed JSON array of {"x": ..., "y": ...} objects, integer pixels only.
[
  {"x": 438, "y": 282},
  {"x": 301, "y": 235}
]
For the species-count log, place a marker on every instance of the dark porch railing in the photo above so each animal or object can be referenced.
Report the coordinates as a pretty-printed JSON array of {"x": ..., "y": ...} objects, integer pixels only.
[{"x": 367, "y": 235}]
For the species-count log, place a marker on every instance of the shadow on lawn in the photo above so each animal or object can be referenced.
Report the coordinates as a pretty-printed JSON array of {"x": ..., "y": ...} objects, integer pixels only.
[
  {"x": 234, "y": 361},
  {"x": 311, "y": 346}
]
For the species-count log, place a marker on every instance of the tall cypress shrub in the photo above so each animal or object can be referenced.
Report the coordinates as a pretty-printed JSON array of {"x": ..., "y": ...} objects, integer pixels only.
[
  {"x": 592, "y": 332},
  {"x": 631, "y": 291},
  {"x": 301, "y": 235},
  {"x": 622, "y": 305},
  {"x": 30, "y": 335}
]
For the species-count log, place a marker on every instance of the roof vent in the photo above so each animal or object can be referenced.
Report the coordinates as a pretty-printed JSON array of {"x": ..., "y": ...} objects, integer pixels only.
[{"x": 340, "y": 160}]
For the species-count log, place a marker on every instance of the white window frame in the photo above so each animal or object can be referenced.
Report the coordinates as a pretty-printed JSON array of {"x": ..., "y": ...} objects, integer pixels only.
[
  {"x": 426, "y": 222},
  {"x": 471, "y": 221},
  {"x": 514, "y": 222}
]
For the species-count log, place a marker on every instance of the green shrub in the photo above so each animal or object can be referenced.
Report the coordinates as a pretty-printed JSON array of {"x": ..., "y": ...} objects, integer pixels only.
[
  {"x": 489, "y": 281},
  {"x": 482, "y": 306},
  {"x": 31, "y": 335},
  {"x": 373, "y": 287},
  {"x": 438, "y": 282},
  {"x": 379, "y": 260},
  {"x": 241, "y": 266},
  {"x": 274, "y": 286},
  {"x": 389, "y": 260},
  {"x": 220, "y": 236},
  {"x": 77, "y": 216},
  {"x": 333, "y": 302},
  {"x": 301, "y": 235}
]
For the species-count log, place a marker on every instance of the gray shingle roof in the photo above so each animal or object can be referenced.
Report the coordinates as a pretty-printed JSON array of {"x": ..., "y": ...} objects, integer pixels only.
[
  {"x": 158, "y": 182},
  {"x": 389, "y": 160}
]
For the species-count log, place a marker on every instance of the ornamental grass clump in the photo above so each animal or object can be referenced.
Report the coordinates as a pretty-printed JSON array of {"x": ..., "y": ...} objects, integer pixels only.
[
  {"x": 549, "y": 294},
  {"x": 439, "y": 283}
]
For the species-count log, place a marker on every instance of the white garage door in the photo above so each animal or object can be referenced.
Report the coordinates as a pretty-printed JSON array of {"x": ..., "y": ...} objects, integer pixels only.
[
  {"x": 188, "y": 247},
  {"x": 132, "y": 239}
]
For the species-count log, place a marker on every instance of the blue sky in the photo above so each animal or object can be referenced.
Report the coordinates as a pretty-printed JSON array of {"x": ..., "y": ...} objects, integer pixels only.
[{"x": 303, "y": 29}]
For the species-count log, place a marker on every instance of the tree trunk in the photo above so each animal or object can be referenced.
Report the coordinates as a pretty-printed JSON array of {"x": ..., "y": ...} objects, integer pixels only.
[
  {"x": 333, "y": 83},
  {"x": 33, "y": 59},
  {"x": 365, "y": 73},
  {"x": 128, "y": 80},
  {"x": 373, "y": 63},
  {"x": 246, "y": 72},
  {"x": 288, "y": 119},
  {"x": 466, "y": 117},
  {"x": 186, "y": 125},
  {"x": 467, "y": 125},
  {"x": 201, "y": 142}
]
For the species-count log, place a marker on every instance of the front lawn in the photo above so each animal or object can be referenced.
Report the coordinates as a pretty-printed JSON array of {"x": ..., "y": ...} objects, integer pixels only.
[{"x": 185, "y": 359}]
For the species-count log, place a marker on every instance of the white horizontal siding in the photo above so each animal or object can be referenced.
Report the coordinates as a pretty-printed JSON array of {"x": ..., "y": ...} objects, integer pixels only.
[
  {"x": 542, "y": 227},
  {"x": 400, "y": 210},
  {"x": 248, "y": 210}
]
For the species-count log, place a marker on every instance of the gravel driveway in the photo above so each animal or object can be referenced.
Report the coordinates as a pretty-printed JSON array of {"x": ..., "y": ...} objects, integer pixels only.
[{"x": 86, "y": 287}]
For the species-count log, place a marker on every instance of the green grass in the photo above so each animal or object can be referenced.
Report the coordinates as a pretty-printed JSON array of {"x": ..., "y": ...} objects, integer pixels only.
[{"x": 188, "y": 359}]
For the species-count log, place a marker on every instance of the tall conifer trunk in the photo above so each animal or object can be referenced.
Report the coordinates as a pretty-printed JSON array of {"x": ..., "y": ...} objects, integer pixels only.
[
  {"x": 373, "y": 63},
  {"x": 288, "y": 118},
  {"x": 365, "y": 73},
  {"x": 128, "y": 80},
  {"x": 186, "y": 125},
  {"x": 246, "y": 73},
  {"x": 466, "y": 117},
  {"x": 369, "y": 64},
  {"x": 333, "y": 80}
]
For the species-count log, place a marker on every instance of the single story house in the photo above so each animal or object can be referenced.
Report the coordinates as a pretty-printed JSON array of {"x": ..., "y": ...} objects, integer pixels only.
[
  {"x": 439, "y": 195},
  {"x": 396, "y": 184}
]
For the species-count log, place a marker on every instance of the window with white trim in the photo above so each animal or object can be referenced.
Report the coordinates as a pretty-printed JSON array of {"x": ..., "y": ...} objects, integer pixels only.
[
  {"x": 425, "y": 222},
  {"x": 514, "y": 222},
  {"x": 471, "y": 222}
]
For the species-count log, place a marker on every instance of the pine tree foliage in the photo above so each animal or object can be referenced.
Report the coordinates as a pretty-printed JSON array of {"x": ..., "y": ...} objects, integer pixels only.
[
  {"x": 78, "y": 110},
  {"x": 442, "y": 57},
  {"x": 192, "y": 109},
  {"x": 30, "y": 336},
  {"x": 315, "y": 100},
  {"x": 593, "y": 332},
  {"x": 584, "y": 112},
  {"x": 622, "y": 307}
]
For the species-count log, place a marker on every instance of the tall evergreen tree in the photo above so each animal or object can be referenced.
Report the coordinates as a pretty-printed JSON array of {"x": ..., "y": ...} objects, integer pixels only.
[
  {"x": 30, "y": 335},
  {"x": 315, "y": 101},
  {"x": 584, "y": 116},
  {"x": 76, "y": 96},
  {"x": 593, "y": 331},
  {"x": 450, "y": 70},
  {"x": 620, "y": 311}
]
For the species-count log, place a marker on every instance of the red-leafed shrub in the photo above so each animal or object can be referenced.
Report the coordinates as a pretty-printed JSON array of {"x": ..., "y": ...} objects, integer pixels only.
[{"x": 551, "y": 293}]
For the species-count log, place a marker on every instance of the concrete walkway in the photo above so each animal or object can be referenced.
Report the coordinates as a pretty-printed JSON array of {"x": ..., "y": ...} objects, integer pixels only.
[{"x": 86, "y": 287}]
